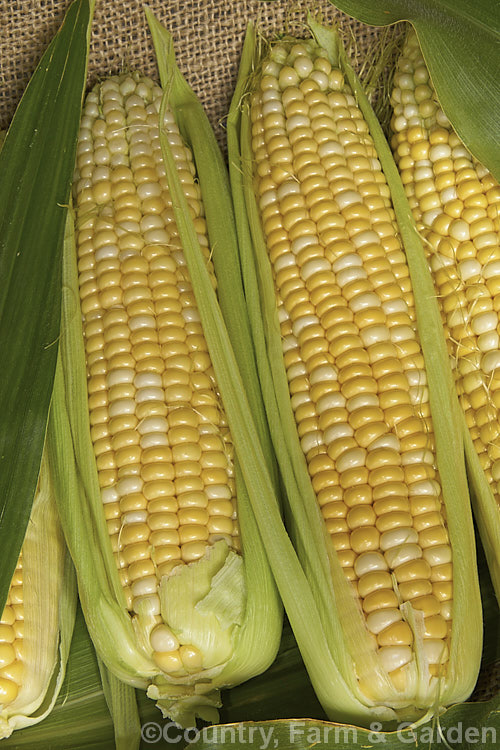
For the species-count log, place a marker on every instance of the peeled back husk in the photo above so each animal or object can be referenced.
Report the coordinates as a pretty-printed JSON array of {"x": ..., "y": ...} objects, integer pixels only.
[{"x": 49, "y": 604}]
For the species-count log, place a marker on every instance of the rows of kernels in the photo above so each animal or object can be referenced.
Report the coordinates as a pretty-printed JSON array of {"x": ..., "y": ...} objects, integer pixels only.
[
  {"x": 11, "y": 639},
  {"x": 355, "y": 370},
  {"x": 163, "y": 450},
  {"x": 455, "y": 203}
]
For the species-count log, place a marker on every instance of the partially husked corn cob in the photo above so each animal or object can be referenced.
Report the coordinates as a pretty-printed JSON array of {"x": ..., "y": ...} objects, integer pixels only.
[
  {"x": 163, "y": 449},
  {"x": 455, "y": 202},
  {"x": 354, "y": 365},
  {"x": 355, "y": 369},
  {"x": 162, "y": 452},
  {"x": 37, "y": 621}
]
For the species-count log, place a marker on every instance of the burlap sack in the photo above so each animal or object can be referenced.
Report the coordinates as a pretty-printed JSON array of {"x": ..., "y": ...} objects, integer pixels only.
[{"x": 208, "y": 39}]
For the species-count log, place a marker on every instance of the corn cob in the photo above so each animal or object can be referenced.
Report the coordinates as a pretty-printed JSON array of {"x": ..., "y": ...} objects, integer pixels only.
[
  {"x": 164, "y": 454},
  {"x": 163, "y": 466},
  {"x": 357, "y": 385},
  {"x": 455, "y": 202},
  {"x": 37, "y": 621}
]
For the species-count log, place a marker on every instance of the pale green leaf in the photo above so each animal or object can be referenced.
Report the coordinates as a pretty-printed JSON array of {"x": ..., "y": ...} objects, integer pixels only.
[
  {"x": 36, "y": 168},
  {"x": 486, "y": 511},
  {"x": 217, "y": 200},
  {"x": 467, "y": 725},
  {"x": 122, "y": 705},
  {"x": 204, "y": 603}
]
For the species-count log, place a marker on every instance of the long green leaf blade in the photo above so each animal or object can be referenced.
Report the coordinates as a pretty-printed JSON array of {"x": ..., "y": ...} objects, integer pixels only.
[
  {"x": 36, "y": 164},
  {"x": 463, "y": 725},
  {"x": 460, "y": 41}
]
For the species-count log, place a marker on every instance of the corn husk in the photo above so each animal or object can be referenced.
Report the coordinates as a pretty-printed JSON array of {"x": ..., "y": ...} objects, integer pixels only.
[{"x": 322, "y": 598}]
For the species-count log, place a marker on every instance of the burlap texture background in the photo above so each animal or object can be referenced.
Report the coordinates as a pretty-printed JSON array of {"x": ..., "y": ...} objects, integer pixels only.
[{"x": 208, "y": 40}]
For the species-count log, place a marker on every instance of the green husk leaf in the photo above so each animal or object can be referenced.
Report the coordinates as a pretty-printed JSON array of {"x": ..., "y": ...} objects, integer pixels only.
[
  {"x": 122, "y": 705},
  {"x": 217, "y": 200},
  {"x": 49, "y": 593},
  {"x": 40, "y": 142},
  {"x": 464, "y": 725},
  {"x": 486, "y": 510},
  {"x": 319, "y": 563},
  {"x": 460, "y": 43},
  {"x": 203, "y": 603}
]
